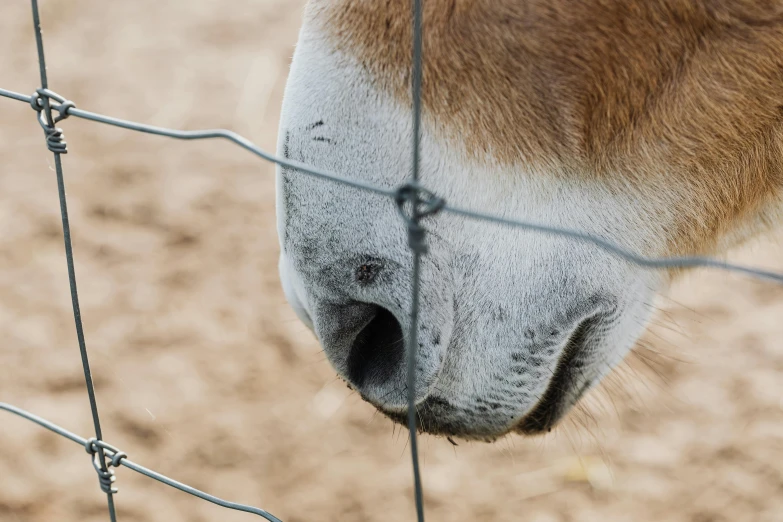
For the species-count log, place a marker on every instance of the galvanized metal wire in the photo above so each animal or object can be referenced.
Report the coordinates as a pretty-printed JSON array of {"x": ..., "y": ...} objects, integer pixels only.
[
  {"x": 413, "y": 201},
  {"x": 113, "y": 453},
  {"x": 55, "y": 143},
  {"x": 418, "y": 248},
  {"x": 619, "y": 251}
]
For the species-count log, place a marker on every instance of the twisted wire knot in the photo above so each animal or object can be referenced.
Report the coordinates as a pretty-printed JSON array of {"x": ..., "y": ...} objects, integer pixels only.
[
  {"x": 55, "y": 140},
  {"x": 424, "y": 203},
  {"x": 99, "y": 451}
]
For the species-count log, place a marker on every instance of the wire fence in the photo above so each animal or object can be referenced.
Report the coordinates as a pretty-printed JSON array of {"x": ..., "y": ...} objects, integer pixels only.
[{"x": 413, "y": 202}]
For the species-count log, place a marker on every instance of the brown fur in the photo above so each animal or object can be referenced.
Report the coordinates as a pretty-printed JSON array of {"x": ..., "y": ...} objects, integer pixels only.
[{"x": 680, "y": 99}]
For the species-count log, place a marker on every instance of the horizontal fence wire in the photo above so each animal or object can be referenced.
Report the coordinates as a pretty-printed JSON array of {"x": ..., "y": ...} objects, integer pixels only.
[
  {"x": 423, "y": 203},
  {"x": 656, "y": 263},
  {"x": 137, "y": 467}
]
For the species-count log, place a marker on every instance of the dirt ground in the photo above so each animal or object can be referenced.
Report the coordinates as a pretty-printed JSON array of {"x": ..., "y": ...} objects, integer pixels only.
[{"x": 203, "y": 373}]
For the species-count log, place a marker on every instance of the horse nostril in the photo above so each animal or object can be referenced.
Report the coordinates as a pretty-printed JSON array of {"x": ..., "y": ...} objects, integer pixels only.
[{"x": 377, "y": 352}]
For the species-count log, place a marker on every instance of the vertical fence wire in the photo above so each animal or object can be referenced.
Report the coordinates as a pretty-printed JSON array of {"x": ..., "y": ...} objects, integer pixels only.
[
  {"x": 47, "y": 109},
  {"x": 416, "y": 78}
]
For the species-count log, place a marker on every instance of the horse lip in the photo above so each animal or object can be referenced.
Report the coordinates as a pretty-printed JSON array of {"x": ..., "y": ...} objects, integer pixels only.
[{"x": 561, "y": 393}]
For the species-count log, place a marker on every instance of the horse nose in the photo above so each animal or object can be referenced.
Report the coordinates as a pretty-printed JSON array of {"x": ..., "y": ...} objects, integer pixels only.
[
  {"x": 360, "y": 316},
  {"x": 366, "y": 343},
  {"x": 377, "y": 352}
]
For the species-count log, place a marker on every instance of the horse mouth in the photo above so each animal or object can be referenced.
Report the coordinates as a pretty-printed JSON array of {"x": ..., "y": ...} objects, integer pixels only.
[
  {"x": 566, "y": 387},
  {"x": 438, "y": 416}
]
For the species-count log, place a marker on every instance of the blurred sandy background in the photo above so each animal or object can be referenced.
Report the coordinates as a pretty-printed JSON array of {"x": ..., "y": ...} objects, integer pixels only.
[{"x": 204, "y": 374}]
